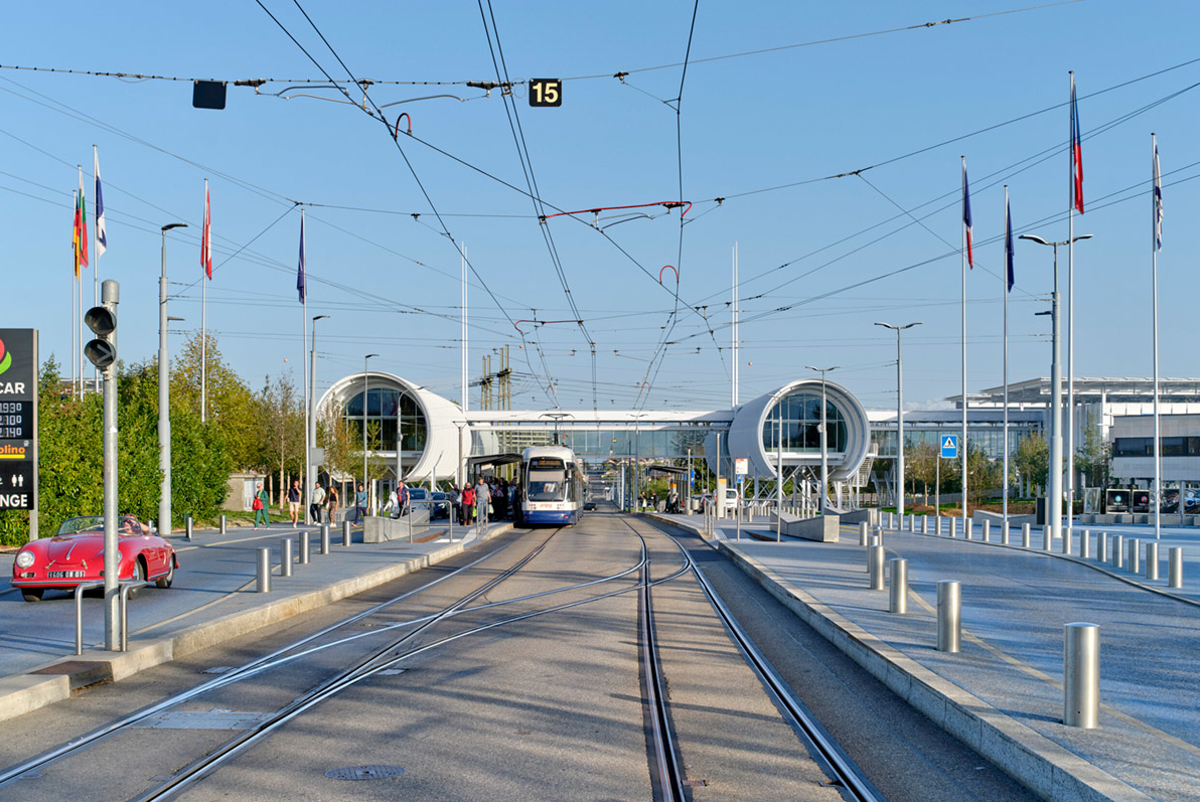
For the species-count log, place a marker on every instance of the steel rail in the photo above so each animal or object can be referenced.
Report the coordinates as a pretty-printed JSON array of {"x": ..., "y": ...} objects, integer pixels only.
[{"x": 666, "y": 759}]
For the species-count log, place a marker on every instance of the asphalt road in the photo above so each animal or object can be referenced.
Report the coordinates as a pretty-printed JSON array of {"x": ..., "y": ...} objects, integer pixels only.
[{"x": 545, "y": 707}]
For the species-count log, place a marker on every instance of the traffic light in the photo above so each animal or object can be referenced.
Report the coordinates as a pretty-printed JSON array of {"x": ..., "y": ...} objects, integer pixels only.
[{"x": 102, "y": 351}]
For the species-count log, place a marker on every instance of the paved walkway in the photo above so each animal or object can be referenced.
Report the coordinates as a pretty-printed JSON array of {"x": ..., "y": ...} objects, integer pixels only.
[
  {"x": 214, "y": 597},
  {"x": 1014, "y": 605}
]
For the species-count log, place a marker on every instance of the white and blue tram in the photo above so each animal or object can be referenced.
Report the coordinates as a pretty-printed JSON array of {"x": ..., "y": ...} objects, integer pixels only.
[{"x": 551, "y": 486}]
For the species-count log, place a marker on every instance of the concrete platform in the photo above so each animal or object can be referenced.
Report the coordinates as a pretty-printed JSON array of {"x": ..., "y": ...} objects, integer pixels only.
[
  {"x": 1003, "y": 693},
  {"x": 214, "y": 598}
]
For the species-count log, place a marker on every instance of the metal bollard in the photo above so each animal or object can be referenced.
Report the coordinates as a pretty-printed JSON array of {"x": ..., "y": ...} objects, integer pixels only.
[
  {"x": 953, "y": 527},
  {"x": 912, "y": 522},
  {"x": 969, "y": 528},
  {"x": 1081, "y": 676},
  {"x": 324, "y": 539},
  {"x": 987, "y": 531},
  {"x": 875, "y": 567},
  {"x": 1118, "y": 551},
  {"x": 898, "y": 592},
  {"x": 1047, "y": 539},
  {"x": 949, "y": 616},
  {"x": 1085, "y": 544},
  {"x": 1025, "y": 536},
  {"x": 877, "y": 538},
  {"x": 1151, "y": 560},
  {"x": 924, "y": 524},
  {"x": 187, "y": 524},
  {"x": 862, "y": 533},
  {"x": 223, "y": 523},
  {"x": 937, "y": 525},
  {"x": 285, "y": 556},
  {"x": 1102, "y": 547},
  {"x": 1175, "y": 567},
  {"x": 1004, "y": 539},
  {"x": 264, "y": 569},
  {"x": 1134, "y": 561},
  {"x": 304, "y": 548},
  {"x": 1066, "y": 541},
  {"x": 345, "y": 533}
]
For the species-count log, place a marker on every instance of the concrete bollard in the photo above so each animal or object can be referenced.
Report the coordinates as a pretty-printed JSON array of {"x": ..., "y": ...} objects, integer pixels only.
[
  {"x": 187, "y": 525},
  {"x": 1152, "y": 560},
  {"x": 953, "y": 527},
  {"x": 345, "y": 533},
  {"x": 324, "y": 539},
  {"x": 898, "y": 592},
  {"x": 1118, "y": 551},
  {"x": 1175, "y": 567},
  {"x": 1102, "y": 547},
  {"x": 264, "y": 569},
  {"x": 1081, "y": 676},
  {"x": 1004, "y": 539},
  {"x": 875, "y": 567},
  {"x": 987, "y": 531},
  {"x": 862, "y": 533},
  {"x": 1025, "y": 536},
  {"x": 949, "y": 616},
  {"x": 304, "y": 548},
  {"x": 223, "y": 523},
  {"x": 285, "y": 556},
  {"x": 1133, "y": 562},
  {"x": 1085, "y": 544}
]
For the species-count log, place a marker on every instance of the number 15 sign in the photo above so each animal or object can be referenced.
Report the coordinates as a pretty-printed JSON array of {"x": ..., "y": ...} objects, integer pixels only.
[{"x": 545, "y": 92}]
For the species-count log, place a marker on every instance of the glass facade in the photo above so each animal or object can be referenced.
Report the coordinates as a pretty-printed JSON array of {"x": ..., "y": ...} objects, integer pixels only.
[
  {"x": 990, "y": 439},
  {"x": 1144, "y": 447},
  {"x": 801, "y": 425},
  {"x": 383, "y": 408},
  {"x": 657, "y": 443}
]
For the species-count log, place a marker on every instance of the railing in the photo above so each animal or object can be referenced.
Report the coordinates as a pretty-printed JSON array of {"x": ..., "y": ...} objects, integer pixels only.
[{"x": 126, "y": 587}]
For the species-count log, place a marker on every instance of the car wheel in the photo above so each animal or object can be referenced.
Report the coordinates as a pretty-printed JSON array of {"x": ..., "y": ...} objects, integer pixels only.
[
  {"x": 139, "y": 575},
  {"x": 32, "y": 594},
  {"x": 165, "y": 581}
]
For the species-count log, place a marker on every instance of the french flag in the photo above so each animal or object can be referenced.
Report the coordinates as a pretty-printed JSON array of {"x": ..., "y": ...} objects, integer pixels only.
[
  {"x": 967, "y": 216},
  {"x": 1076, "y": 152}
]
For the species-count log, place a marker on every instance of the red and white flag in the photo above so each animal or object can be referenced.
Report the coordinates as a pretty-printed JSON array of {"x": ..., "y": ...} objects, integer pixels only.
[
  {"x": 1076, "y": 153},
  {"x": 206, "y": 237}
]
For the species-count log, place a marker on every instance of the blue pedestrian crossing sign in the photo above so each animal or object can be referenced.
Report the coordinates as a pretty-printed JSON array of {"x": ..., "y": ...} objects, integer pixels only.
[{"x": 949, "y": 446}]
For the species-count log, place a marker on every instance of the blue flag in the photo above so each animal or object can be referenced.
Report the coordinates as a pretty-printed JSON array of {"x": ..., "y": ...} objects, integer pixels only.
[{"x": 300, "y": 270}]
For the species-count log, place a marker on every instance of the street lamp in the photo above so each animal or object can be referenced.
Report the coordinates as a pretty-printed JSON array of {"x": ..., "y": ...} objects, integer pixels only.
[
  {"x": 164, "y": 393},
  {"x": 824, "y": 441},
  {"x": 310, "y": 425},
  {"x": 900, "y": 421},
  {"x": 366, "y": 409},
  {"x": 1055, "y": 494}
]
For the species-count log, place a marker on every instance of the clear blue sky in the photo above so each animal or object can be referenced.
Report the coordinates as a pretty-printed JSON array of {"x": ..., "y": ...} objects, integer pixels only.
[{"x": 747, "y": 123}]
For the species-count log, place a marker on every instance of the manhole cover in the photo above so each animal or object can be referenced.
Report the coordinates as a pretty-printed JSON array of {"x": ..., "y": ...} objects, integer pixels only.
[{"x": 364, "y": 772}]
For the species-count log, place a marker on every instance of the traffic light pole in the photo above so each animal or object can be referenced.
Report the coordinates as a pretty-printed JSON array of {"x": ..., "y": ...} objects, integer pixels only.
[{"x": 112, "y": 555}]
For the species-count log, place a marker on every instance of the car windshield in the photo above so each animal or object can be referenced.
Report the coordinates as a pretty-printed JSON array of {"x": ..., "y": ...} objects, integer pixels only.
[
  {"x": 417, "y": 494},
  {"x": 92, "y": 524}
]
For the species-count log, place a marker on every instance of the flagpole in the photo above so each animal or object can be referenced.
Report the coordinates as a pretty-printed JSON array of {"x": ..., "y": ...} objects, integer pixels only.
[
  {"x": 96, "y": 266},
  {"x": 963, "y": 444},
  {"x": 1156, "y": 201},
  {"x": 464, "y": 328},
  {"x": 1005, "y": 289},
  {"x": 76, "y": 323},
  {"x": 204, "y": 279},
  {"x": 307, "y": 473},
  {"x": 1071, "y": 329}
]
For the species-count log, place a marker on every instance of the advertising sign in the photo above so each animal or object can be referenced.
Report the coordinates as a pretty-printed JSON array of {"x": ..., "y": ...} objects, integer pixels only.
[
  {"x": 18, "y": 421},
  {"x": 740, "y": 466}
]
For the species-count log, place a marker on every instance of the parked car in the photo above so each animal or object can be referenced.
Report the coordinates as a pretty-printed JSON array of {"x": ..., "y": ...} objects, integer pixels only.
[
  {"x": 588, "y": 506},
  {"x": 75, "y": 555},
  {"x": 731, "y": 499},
  {"x": 441, "y": 505}
]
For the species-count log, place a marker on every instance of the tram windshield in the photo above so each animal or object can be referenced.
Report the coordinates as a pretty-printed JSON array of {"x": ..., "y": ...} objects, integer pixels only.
[{"x": 546, "y": 486}]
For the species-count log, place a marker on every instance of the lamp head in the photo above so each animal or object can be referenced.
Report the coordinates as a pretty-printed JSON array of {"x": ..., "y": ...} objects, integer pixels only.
[{"x": 1034, "y": 238}]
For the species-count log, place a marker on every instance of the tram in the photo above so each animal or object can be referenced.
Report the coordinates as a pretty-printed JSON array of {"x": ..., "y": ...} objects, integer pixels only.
[{"x": 551, "y": 486}]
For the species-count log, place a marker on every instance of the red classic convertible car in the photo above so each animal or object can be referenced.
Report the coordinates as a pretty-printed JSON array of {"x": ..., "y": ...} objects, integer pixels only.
[{"x": 76, "y": 555}]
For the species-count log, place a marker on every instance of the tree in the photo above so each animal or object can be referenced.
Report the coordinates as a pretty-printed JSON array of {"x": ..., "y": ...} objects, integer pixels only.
[
  {"x": 282, "y": 415},
  {"x": 1093, "y": 459},
  {"x": 231, "y": 404},
  {"x": 337, "y": 438},
  {"x": 1032, "y": 460},
  {"x": 920, "y": 466}
]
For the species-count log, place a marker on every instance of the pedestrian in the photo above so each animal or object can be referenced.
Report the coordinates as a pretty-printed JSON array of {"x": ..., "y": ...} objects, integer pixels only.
[
  {"x": 259, "y": 505},
  {"x": 360, "y": 503},
  {"x": 402, "y": 498},
  {"x": 455, "y": 504},
  {"x": 318, "y": 501},
  {"x": 483, "y": 502},
  {"x": 468, "y": 505},
  {"x": 331, "y": 502},
  {"x": 293, "y": 498}
]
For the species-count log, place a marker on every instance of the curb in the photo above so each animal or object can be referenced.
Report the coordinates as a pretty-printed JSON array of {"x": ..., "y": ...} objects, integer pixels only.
[
  {"x": 57, "y": 679},
  {"x": 1046, "y": 768}
]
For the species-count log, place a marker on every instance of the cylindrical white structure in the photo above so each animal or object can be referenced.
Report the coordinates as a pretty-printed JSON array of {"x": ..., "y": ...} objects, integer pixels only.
[
  {"x": 1081, "y": 676},
  {"x": 898, "y": 592},
  {"x": 949, "y": 616}
]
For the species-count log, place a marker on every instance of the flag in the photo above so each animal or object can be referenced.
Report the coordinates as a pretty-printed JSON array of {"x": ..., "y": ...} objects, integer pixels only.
[
  {"x": 75, "y": 238},
  {"x": 1158, "y": 207},
  {"x": 79, "y": 240},
  {"x": 967, "y": 217},
  {"x": 1008, "y": 243},
  {"x": 1076, "y": 152},
  {"x": 300, "y": 270},
  {"x": 206, "y": 238},
  {"x": 101, "y": 235}
]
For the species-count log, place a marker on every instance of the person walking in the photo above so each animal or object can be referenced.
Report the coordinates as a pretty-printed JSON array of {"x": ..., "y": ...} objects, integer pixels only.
[
  {"x": 455, "y": 504},
  {"x": 468, "y": 505},
  {"x": 402, "y": 499},
  {"x": 259, "y": 505},
  {"x": 360, "y": 503},
  {"x": 293, "y": 498},
  {"x": 318, "y": 501},
  {"x": 483, "y": 499},
  {"x": 331, "y": 502}
]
